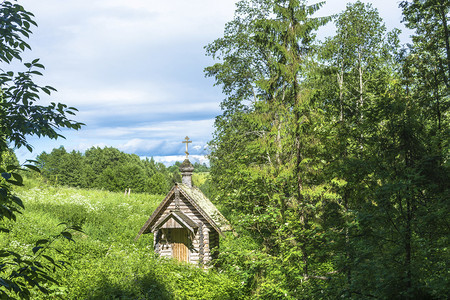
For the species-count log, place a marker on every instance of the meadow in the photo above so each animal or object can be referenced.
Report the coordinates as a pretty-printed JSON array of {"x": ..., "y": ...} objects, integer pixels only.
[{"x": 105, "y": 262}]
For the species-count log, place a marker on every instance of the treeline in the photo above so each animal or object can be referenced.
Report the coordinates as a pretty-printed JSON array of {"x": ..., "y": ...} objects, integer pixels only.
[
  {"x": 198, "y": 168},
  {"x": 110, "y": 169},
  {"x": 332, "y": 159}
]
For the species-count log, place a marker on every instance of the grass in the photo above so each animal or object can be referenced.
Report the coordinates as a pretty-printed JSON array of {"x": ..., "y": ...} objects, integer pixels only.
[{"x": 105, "y": 261}]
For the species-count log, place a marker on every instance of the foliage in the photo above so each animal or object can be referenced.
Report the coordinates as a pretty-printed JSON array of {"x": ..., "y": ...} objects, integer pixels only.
[
  {"x": 106, "y": 261},
  {"x": 323, "y": 160},
  {"x": 20, "y": 116},
  {"x": 8, "y": 158},
  {"x": 330, "y": 160},
  {"x": 261, "y": 160},
  {"x": 22, "y": 272},
  {"x": 110, "y": 169},
  {"x": 104, "y": 168},
  {"x": 18, "y": 272}
]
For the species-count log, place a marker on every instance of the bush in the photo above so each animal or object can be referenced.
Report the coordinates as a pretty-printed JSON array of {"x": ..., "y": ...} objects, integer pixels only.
[{"x": 106, "y": 261}]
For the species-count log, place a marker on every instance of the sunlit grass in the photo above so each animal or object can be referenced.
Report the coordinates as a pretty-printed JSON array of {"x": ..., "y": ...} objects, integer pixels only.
[{"x": 106, "y": 261}]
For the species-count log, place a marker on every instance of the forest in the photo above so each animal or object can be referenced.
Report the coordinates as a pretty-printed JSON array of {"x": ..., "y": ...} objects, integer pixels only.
[
  {"x": 110, "y": 169},
  {"x": 330, "y": 159}
]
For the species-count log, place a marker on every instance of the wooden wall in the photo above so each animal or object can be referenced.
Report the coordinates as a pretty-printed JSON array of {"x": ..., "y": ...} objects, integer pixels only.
[{"x": 205, "y": 231}]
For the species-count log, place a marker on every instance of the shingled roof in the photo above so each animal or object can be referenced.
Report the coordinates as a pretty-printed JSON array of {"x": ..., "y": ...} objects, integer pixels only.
[{"x": 195, "y": 196}]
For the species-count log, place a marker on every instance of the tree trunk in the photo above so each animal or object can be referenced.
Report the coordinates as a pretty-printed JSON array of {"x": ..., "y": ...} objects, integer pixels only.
[
  {"x": 446, "y": 37},
  {"x": 340, "y": 79},
  {"x": 361, "y": 84}
]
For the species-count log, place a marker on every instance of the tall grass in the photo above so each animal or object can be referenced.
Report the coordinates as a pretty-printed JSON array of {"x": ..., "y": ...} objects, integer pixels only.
[{"x": 105, "y": 261}]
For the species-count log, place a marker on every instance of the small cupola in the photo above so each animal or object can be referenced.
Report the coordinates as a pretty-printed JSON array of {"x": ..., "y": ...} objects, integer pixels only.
[
  {"x": 186, "y": 168},
  {"x": 186, "y": 225}
]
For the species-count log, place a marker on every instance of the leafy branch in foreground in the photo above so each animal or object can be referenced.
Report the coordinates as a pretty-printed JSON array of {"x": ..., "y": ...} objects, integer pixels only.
[
  {"x": 20, "y": 272},
  {"x": 21, "y": 116},
  {"x": 10, "y": 204}
]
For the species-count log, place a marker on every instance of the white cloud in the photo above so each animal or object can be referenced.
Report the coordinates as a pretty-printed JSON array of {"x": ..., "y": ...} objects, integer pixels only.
[
  {"x": 135, "y": 145},
  {"x": 134, "y": 69},
  {"x": 82, "y": 147},
  {"x": 197, "y": 130},
  {"x": 169, "y": 160},
  {"x": 87, "y": 28}
]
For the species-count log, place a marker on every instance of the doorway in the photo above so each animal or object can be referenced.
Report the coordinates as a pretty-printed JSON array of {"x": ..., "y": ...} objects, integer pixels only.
[{"x": 180, "y": 242}]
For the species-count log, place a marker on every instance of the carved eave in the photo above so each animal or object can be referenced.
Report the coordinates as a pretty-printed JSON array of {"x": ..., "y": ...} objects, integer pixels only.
[
  {"x": 178, "y": 217},
  {"x": 150, "y": 225}
]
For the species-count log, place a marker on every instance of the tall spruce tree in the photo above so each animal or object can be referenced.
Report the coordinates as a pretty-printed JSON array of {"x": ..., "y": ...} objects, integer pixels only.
[
  {"x": 266, "y": 154},
  {"x": 336, "y": 174}
]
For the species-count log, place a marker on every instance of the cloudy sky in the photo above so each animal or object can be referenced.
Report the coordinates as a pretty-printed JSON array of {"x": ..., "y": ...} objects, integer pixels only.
[{"x": 134, "y": 70}]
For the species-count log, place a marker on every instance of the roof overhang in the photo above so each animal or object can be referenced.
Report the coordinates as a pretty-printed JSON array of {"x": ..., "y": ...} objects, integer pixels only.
[
  {"x": 190, "y": 194},
  {"x": 178, "y": 217}
]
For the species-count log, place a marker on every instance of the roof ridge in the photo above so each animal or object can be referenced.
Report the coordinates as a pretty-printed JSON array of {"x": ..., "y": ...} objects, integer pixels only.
[{"x": 199, "y": 200}]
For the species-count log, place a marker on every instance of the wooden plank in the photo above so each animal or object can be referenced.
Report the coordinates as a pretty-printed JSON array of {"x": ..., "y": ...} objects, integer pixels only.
[
  {"x": 171, "y": 223},
  {"x": 180, "y": 240}
]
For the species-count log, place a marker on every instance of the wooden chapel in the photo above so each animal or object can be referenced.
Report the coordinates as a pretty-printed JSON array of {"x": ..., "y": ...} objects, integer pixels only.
[{"x": 186, "y": 225}]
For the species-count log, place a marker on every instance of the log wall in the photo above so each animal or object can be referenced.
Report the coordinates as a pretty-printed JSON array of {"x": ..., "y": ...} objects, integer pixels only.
[{"x": 202, "y": 242}]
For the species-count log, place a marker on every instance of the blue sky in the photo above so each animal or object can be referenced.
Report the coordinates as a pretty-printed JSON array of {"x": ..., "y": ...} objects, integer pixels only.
[{"x": 134, "y": 70}]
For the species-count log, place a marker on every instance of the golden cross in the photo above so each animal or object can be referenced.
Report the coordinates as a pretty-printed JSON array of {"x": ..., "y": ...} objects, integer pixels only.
[{"x": 186, "y": 141}]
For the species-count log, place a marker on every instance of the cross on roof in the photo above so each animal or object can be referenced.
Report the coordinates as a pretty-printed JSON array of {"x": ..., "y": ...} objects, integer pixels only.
[{"x": 187, "y": 142}]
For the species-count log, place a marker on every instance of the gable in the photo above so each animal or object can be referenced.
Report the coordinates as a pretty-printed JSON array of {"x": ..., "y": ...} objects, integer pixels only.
[
  {"x": 196, "y": 200},
  {"x": 176, "y": 219}
]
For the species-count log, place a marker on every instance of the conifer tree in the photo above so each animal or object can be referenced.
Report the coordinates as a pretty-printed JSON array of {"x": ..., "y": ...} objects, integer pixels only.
[{"x": 265, "y": 149}]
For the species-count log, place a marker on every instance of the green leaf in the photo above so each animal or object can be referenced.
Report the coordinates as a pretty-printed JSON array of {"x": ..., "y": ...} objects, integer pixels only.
[
  {"x": 6, "y": 175},
  {"x": 67, "y": 235},
  {"x": 32, "y": 161},
  {"x": 49, "y": 258},
  {"x": 18, "y": 201},
  {"x": 39, "y": 66},
  {"x": 17, "y": 177},
  {"x": 36, "y": 249},
  {"x": 15, "y": 182},
  {"x": 40, "y": 242},
  {"x": 47, "y": 91},
  {"x": 11, "y": 167},
  {"x": 37, "y": 73},
  {"x": 32, "y": 167}
]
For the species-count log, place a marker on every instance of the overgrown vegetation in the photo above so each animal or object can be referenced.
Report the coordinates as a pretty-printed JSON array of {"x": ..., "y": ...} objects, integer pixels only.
[
  {"x": 332, "y": 158},
  {"x": 106, "y": 262},
  {"x": 22, "y": 116}
]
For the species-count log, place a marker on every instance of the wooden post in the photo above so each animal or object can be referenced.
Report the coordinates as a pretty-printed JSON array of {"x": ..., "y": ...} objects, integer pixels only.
[{"x": 201, "y": 245}]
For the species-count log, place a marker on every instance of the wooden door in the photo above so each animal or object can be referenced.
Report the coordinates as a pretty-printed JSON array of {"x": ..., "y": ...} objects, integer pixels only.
[{"x": 180, "y": 250}]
